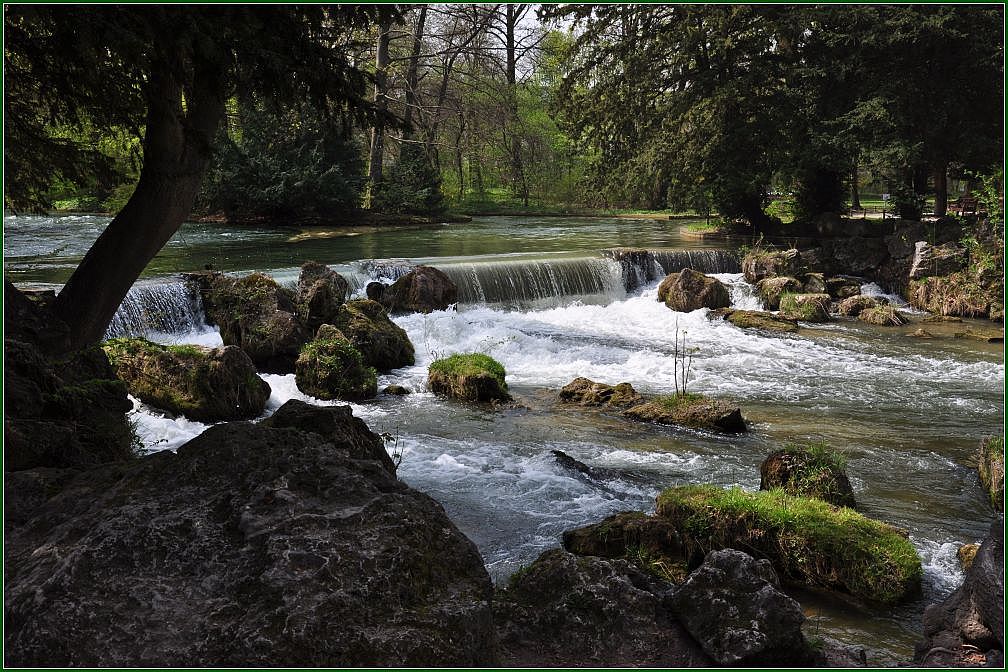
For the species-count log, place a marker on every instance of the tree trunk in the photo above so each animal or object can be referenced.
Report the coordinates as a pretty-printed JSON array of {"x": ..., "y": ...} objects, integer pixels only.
[
  {"x": 855, "y": 192},
  {"x": 512, "y": 13},
  {"x": 412, "y": 73},
  {"x": 381, "y": 102},
  {"x": 941, "y": 190},
  {"x": 177, "y": 148}
]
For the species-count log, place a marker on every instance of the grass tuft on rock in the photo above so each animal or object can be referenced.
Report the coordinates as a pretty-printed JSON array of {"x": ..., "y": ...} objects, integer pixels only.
[
  {"x": 886, "y": 316},
  {"x": 807, "y": 540},
  {"x": 332, "y": 368},
  {"x": 809, "y": 470},
  {"x": 468, "y": 376}
]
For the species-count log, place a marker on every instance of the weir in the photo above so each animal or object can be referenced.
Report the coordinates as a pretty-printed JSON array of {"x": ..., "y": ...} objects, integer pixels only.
[{"x": 168, "y": 307}]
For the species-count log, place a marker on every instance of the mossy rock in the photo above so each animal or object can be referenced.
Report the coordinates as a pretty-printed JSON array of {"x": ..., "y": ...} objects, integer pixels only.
[
  {"x": 808, "y": 541},
  {"x": 756, "y": 319},
  {"x": 690, "y": 290},
  {"x": 770, "y": 290},
  {"x": 320, "y": 293},
  {"x": 990, "y": 465},
  {"x": 966, "y": 554},
  {"x": 396, "y": 391},
  {"x": 760, "y": 263},
  {"x": 805, "y": 307},
  {"x": 690, "y": 410},
  {"x": 814, "y": 283},
  {"x": 329, "y": 367},
  {"x": 855, "y": 305},
  {"x": 589, "y": 393},
  {"x": 886, "y": 316},
  {"x": 841, "y": 287},
  {"x": 468, "y": 377},
  {"x": 626, "y": 533},
  {"x": 382, "y": 342},
  {"x": 808, "y": 471},
  {"x": 203, "y": 384}
]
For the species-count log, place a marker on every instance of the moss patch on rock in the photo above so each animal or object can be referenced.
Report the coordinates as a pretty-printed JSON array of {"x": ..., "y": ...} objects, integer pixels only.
[
  {"x": 811, "y": 470},
  {"x": 382, "y": 342},
  {"x": 770, "y": 290},
  {"x": 990, "y": 465},
  {"x": 650, "y": 542},
  {"x": 855, "y": 305},
  {"x": 886, "y": 316},
  {"x": 959, "y": 294},
  {"x": 805, "y": 307},
  {"x": 756, "y": 319},
  {"x": 203, "y": 384},
  {"x": 468, "y": 377},
  {"x": 329, "y": 367},
  {"x": 807, "y": 540},
  {"x": 690, "y": 410}
]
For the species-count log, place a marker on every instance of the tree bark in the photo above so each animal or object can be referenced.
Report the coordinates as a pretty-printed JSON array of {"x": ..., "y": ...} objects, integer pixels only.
[
  {"x": 381, "y": 103},
  {"x": 177, "y": 149},
  {"x": 941, "y": 190},
  {"x": 855, "y": 192},
  {"x": 412, "y": 73},
  {"x": 512, "y": 13}
]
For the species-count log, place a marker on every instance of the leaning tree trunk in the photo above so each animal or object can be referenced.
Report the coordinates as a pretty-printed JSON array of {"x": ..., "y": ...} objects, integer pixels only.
[{"x": 176, "y": 150}]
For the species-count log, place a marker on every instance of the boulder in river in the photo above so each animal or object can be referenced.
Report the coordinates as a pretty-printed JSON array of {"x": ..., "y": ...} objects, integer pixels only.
[
  {"x": 320, "y": 293},
  {"x": 690, "y": 290},
  {"x": 806, "y": 540},
  {"x": 761, "y": 263},
  {"x": 329, "y": 367},
  {"x": 855, "y": 305},
  {"x": 690, "y": 410},
  {"x": 282, "y": 544},
  {"x": 570, "y": 611},
  {"x": 882, "y": 315},
  {"x": 382, "y": 342},
  {"x": 843, "y": 286},
  {"x": 967, "y": 628},
  {"x": 423, "y": 290},
  {"x": 814, "y": 283},
  {"x": 589, "y": 393},
  {"x": 468, "y": 377},
  {"x": 201, "y": 383},
  {"x": 990, "y": 465},
  {"x": 813, "y": 470},
  {"x": 805, "y": 307},
  {"x": 628, "y": 532},
  {"x": 770, "y": 290},
  {"x": 758, "y": 319},
  {"x": 732, "y": 604}
]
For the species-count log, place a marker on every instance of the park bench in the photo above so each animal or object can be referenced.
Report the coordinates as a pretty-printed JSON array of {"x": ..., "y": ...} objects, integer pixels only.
[{"x": 964, "y": 205}]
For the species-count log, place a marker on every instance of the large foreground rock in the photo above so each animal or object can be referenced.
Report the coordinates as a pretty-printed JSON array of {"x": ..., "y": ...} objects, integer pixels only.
[
  {"x": 568, "y": 611},
  {"x": 203, "y": 384},
  {"x": 382, "y": 342},
  {"x": 689, "y": 290},
  {"x": 733, "y": 606},
  {"x": 973, "y": 615},
  {"x": 283, "y": 544},
  {"x": 422, "y": 290}
]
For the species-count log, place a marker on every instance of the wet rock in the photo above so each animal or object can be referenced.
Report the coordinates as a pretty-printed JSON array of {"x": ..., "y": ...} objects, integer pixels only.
[
  {"x": 843, "y": 287},
  {"x": 886, "y": 315},
  {"x": 761, "y": 263},
  {"x": 807, "y": 473},
  {"x": 422, "y": 290},
  {"x": 396, "y": 390},
  {"x": 203, "y": 384},
  {"x": 770, "y": 290},
  {"x": 689, "y": 290},
  {"x": 754, "y": 319},
  {"x": 589, "y": 393},
  {"x": 626, "y": 532},
  {"x": 990, "y": 466},
  {"x": 63, "y": 411},
  {"x": 384, "y": 344},
  {"x": 580, "y": 469},
  {"x": 374, "y": 290},
  {"x": 931, "y": 260},
  {"x": 814, "y": 283},
  {"x": 568, "y": 611},
  {"x": 329, "y": 367},
  {"x": 259, "y": 546},
  {"x": 468, "y": 377},
  {"x": 733, "y": 606},
  {"x": 922, "y": 333},
  {"x": 255, "y": 314},
  {"x": 973, "y": 615},
  {"x": 320, "y": 293},
  {"x": 691, "y": 410},
  {"x": 805, "y": 307},
  {"x": 982, "y": 335},
  {"x": 855, "y": 305}
]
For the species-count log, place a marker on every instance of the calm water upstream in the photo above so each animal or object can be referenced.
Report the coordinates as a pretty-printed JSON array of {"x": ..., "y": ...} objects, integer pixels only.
[{"x": 540, "y": 296}]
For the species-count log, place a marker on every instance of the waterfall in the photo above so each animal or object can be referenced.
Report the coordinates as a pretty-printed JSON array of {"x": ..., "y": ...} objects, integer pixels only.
[
  {"x": 640, "y": 266},
  {"x": 168, "y": 307}
]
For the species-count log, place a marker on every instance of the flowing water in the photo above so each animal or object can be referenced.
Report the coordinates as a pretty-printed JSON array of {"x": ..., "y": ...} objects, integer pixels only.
[{"x": 551, "y": 301}]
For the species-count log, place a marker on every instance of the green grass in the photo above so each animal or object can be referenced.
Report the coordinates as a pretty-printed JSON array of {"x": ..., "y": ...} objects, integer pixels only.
[
  {"x": 807, "y": 540},
  {"x": 806, "y": 311},
  {"x": 674, "y": 402},
  {"x": 820, "y": 454},
  {"x": 705, "y": 226},
  {"x": 471, "y": 364}
]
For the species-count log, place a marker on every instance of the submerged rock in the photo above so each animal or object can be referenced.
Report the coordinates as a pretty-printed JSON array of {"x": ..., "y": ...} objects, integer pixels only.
[
  {"x": 568, "y": 611},
  {"x": 805, "y": 307},
  {"x": 733, "y": 606},
  {"x": 990, "y": 466},
  {"x": 382, "y": 342},
  {"x": 329, "y": 367},
  {"x": 321, "y": 291},
  {"x": 396, "y": 390},
  {"x": 690, "y": 410},
  {"x": 468, "y": 377},
  {"x": 689, "y": 290},
  {"x": 922, "y": 333},
  {"x": 971, "y": 619},
  {"x": 422, "y": 290},
  {"x": 770, "y": 290},
  {"x": 811, "y": 471},
  {"x": 756, "y": 319},
  {"x": 252, "y": 546},
  {"x": 589, "y": 393},
  {"x": 762, "y": 263}
]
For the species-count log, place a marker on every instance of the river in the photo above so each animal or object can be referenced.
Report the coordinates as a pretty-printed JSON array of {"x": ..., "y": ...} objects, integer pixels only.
[{"x": 543, "y": 298}]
